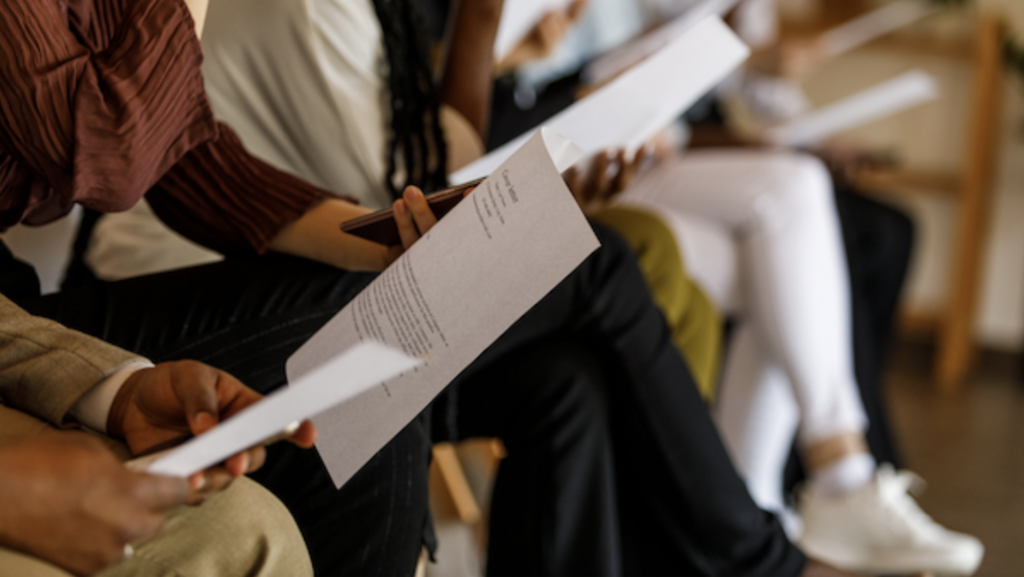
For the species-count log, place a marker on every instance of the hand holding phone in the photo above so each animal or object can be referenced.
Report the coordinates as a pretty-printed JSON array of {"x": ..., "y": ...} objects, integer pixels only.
[{"x": 380, "y": 226}]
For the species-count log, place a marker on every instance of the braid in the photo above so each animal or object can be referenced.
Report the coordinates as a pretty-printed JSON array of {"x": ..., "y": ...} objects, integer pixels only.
[{"x": 417, "y": 140}]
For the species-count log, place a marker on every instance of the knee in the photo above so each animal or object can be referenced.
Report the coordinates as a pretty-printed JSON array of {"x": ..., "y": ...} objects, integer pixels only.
[
  {"x": 568, "y": 405},
  {"x": 794, "y": 187},
  {"x": 16, "y": 563},
  {"x": 614, "y": 264},
  {"x": 613, "y": 245},
  {"x": 643, "y": 231},
  {"x": 899, "y": 233},
  {"x": 243, "y": 530},
  {"x": 649, "y": 238},
  {"x": 262, "y": 526},
  {"x": 653, "y": 244},
  {"x": 804, "y": 179},
  {"x": 877, "y": 234}
]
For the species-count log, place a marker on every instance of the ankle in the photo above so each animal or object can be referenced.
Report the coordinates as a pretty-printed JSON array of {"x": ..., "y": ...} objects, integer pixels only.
[
  {"x": 843, "y": 476},
  {"x": 824, "y": 452}
]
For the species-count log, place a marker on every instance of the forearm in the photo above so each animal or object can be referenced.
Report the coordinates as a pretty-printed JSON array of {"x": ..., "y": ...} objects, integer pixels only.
[
  {"x": 469, "y": 68},
  {"x": 46, "y": 368},
  {"x": 227, "y": 200},
  {"x": 316, "y": 235}
]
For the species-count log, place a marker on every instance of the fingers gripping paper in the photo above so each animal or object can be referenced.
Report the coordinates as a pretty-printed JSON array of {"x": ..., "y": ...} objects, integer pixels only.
[
  {"x": 618, "y": 60},
  {"x": 875, "y": 24},
  {"x": 636, "y": 105},
  {"x": 451, "y": 295},
  {"x": 343, "y": 376},
  {"x": 890, "y": 97},
  {"x": 518, "y": 18}
]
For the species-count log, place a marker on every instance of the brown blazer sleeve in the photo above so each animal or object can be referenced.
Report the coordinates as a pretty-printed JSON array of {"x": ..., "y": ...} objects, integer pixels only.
[{"x": 45, "y": 368}]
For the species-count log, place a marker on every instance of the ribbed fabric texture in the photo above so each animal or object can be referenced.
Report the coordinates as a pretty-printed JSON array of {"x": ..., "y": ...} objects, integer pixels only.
[
  {"x": 225, "y": 199},
  {"x": 100, "y": 100}
]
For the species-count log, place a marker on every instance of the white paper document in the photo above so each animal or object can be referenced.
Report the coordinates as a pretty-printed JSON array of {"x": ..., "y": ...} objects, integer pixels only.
[
  {"x": 632, "y": 108},
  {"x": 618, "y": 60},
  {"x": 518, "y": 18},
  {"x": 875, "y": 24},
  {"x": 896, "y": 95},
  {"x": 462, "y": 285},
  {"x": 340, "y": 378}
]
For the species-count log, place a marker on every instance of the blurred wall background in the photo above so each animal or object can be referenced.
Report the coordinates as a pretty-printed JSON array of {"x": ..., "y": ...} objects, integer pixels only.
[{"x": 932, "y": 138}]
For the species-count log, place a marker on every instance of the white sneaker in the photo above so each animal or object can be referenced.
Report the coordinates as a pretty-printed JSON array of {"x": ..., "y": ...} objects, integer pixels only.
[{"x": 880, "y": 529}]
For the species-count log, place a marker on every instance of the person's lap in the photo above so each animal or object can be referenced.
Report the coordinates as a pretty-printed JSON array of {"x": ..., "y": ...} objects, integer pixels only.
[
  {"x": 242, "y": 530},
  {"x": 689, "y": 510},
  {"x": 246, "y": 316},
  {"x": 553, "y": 509}
]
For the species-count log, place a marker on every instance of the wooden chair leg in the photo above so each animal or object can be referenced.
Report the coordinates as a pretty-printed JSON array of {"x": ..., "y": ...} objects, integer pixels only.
[
  {"x": 956, "y": 347},
  {"x": 421, "y": 564},
  {"x": 450, "y": 493}
]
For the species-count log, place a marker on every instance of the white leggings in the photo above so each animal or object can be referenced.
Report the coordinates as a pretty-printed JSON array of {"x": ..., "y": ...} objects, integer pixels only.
[{"x": 759, "y": 232}]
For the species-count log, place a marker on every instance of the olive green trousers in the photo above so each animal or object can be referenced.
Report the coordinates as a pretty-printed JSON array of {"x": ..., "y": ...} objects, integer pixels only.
[{"x": 695, "y": 323}]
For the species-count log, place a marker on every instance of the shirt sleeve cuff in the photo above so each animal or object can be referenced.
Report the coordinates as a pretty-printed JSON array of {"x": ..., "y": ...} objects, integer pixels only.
[{"x": 93, "y": 408}]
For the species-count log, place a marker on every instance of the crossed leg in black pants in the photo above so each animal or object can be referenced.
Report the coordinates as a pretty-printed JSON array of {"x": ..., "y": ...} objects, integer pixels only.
[{"x": 614, "y": 464}]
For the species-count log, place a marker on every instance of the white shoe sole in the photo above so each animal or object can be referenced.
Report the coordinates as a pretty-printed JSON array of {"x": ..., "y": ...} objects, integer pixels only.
[{"x": 876, "y": 563}]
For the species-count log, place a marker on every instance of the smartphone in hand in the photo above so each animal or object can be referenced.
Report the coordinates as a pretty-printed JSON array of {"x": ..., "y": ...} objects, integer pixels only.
[{"x": 380, "y": 226}]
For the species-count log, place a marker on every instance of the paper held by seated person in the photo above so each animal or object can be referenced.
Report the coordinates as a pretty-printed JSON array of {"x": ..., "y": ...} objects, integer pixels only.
[
  {"x": 875, "y": 24},
  {"x": 451, "y": 295},
  {"x": 618, "y": 60},
  {"x": 631, "y": 109},
  {"x": 518, "y": 19},
  {"x": 901, "y": 93},
  {"x": 342, "y": 377}
]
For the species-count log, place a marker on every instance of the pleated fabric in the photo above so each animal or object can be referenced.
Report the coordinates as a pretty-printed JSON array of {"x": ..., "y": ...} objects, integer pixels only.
[{"x": 103, "y": 100}]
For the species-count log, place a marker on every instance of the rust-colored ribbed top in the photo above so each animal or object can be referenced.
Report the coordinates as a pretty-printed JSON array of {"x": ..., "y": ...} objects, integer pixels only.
[{"x": 102, "y": 101}]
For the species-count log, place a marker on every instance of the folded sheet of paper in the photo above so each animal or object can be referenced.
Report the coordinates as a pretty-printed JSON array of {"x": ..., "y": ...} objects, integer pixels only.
[
  {"x": 875, "y": 24},
  {"x": 518, "y": 18},
  {"x": 618, "y": 60},
  {"x": 890, "y": 97},
  {"x": 632, "y": 108},
  {"x": 341, "y": 377},
  {"x": 462, "y": 285}
]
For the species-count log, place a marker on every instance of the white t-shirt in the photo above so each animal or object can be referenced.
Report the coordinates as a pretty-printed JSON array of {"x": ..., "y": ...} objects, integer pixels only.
[{"x": 302, "y": 82}]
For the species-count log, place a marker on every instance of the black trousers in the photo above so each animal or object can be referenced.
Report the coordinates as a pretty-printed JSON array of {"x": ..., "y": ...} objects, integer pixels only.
[
  {"x": 246, "y": 316},
  {"x": 680, "y": 506},
  {"x": 614, "y": 463},
  {"x": 879, "y": 241}
]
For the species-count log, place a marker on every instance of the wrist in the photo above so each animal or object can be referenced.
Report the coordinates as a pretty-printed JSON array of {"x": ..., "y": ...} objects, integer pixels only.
[
  {"x": 119, "y": 408},
  {"x": 92, "y": 409}
]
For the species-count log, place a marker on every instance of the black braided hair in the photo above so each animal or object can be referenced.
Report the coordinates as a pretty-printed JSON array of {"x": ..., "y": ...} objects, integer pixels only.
[{"x": 417, "y": 140}]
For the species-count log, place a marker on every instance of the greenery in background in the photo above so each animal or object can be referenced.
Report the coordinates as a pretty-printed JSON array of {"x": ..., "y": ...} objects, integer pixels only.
[
  {"x": 1013, "y": 49},
  {"x": 1013, "y": 54},
  {"x": 1013, "y": 57}
]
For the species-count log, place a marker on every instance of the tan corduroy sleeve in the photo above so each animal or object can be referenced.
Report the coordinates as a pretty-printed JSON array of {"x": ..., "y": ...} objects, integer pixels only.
[{"x": 45, "y": 367}]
